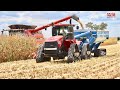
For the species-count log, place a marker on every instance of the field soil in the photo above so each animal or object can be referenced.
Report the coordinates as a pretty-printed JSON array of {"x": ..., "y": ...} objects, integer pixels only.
[{"x": 106, "y": 67}]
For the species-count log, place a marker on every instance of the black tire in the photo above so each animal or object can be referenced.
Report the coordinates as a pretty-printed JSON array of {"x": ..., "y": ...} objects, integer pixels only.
[
  {"x": 84, "y": 57},
  {"x": 73, "y": 53},
  {"x": 40, "y": 56},
  {"x": 47, "y": 58},
  {"x": 87, "y": 53},
  {"x": 102, "y": 52},
  {"x": 99, "y": 52}
]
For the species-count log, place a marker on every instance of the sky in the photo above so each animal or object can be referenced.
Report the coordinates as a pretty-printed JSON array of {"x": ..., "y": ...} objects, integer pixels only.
[{"x": 40, "y": 18}]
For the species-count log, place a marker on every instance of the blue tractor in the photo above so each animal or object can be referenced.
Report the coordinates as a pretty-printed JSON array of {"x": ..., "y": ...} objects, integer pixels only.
[{"x": 90, "y": 41}]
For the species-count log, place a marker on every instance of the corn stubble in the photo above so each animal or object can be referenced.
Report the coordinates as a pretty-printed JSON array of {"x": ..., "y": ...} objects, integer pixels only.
[{"x": 107, "y": 67}]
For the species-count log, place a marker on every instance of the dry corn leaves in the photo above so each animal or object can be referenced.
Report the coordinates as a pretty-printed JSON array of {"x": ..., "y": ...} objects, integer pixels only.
[
  {"x": 107, "y": 67},
  {"x": 14, "y": 48}
]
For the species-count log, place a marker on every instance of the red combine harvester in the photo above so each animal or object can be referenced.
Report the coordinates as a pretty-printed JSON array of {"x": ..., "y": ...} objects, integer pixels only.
[
  {"x": 18, "y": 29},
  {"x": 61, "y": 44}
]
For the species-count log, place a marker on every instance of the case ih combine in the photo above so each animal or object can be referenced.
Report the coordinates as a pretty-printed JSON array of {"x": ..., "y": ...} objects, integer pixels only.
[
  {"x": 66, "y": 42},
  {"x": 18, "y": 29}
]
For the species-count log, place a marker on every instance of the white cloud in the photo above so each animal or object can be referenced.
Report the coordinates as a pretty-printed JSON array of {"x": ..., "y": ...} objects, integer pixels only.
[{"x": 97, "y": 15}]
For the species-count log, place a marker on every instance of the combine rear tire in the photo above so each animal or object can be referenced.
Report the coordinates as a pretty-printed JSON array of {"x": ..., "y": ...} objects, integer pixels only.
[{"x": 73, "y": 53}]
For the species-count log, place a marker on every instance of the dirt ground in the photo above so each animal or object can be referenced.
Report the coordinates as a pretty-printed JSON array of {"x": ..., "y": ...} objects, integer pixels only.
[{"x": 107, "y": 67}]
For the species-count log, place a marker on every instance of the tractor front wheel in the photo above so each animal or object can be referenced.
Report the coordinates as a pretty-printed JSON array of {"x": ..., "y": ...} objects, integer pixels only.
[
  {"x": 40, "y": 56},
  {"x": 73, "y": 53}
]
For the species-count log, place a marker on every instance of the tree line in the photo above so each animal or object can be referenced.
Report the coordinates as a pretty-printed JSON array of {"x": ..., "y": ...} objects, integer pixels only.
[{"x": 92, "y": 26}]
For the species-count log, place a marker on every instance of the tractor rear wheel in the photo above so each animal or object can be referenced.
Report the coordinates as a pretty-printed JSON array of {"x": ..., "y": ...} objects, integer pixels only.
[
  {"x": 73, "y": 53},
  {"x": 87, "y": 51}
]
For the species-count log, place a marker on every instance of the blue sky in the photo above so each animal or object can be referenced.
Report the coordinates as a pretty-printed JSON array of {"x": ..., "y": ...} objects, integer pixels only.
[{"x": 40, "y": 18}]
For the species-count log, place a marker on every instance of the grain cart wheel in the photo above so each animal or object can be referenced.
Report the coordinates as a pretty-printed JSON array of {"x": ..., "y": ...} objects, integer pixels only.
[
  {"x": 73, "y": 53},
  {"x": 102, "y": 52},
  {"x": 99, "y": 52}
]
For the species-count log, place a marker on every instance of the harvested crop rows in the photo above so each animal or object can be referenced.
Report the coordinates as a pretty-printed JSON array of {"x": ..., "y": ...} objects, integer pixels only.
[{"x": 107, "y": 67}]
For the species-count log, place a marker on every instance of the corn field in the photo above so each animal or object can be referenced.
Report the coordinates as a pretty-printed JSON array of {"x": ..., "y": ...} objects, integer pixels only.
[{"x": 13, "y": 48}]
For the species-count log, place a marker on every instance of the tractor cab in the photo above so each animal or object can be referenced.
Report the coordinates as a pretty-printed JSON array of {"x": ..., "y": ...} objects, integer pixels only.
[{"x": 65, "y": 30}]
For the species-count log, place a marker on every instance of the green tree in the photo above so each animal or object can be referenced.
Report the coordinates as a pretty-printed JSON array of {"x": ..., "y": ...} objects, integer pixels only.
[
  {"x": 89, "y": 25},
  {"x": 103, "y": 26},
  {"x": 96, "y": 27}
]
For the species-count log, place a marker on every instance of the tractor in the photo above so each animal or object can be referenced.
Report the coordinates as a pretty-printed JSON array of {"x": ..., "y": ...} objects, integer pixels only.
[{"x": 61, "y": 44}]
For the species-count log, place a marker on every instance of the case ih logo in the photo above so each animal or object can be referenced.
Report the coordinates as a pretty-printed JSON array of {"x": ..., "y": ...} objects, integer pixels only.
[{"x": 111, "y": 15}]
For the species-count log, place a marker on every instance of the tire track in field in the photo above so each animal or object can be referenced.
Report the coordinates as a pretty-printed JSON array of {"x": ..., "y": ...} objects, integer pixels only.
[
  {"x": 93, "y": 71},
  {"x": 87, "y": 72}
]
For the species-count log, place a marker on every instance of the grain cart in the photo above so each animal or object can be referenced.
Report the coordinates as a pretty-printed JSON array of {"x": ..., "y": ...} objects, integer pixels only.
[{"x": 92, "y": 40}]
